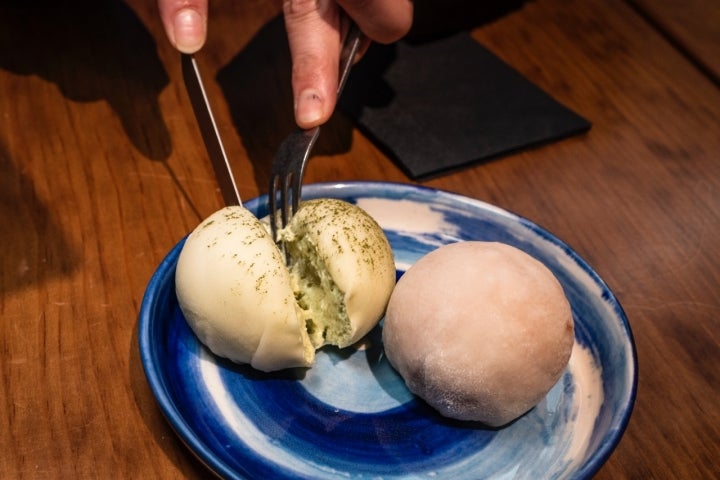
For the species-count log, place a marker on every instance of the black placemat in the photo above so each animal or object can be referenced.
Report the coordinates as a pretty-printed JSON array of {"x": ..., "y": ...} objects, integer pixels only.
[{"x": 444, "y": 104}]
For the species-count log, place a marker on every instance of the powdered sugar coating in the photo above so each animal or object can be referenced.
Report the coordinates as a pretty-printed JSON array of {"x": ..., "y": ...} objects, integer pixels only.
[{"x": 480, "y": 330}]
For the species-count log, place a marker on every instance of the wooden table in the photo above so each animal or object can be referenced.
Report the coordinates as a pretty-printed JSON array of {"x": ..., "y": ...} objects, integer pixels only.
[{"x": 102, "y": 171}]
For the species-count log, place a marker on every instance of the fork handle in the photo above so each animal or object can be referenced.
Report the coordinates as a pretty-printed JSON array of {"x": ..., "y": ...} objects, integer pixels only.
[{"x": 350, "y": 47}]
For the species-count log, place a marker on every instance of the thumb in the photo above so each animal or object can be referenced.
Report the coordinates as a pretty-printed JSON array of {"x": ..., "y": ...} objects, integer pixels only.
[
  {"x": 313, "y": 29},
  {"x": 185, "y": 23}
]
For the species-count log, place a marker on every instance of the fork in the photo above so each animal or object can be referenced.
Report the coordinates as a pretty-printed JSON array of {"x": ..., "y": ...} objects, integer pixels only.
[{"x": 288, "y": 166}]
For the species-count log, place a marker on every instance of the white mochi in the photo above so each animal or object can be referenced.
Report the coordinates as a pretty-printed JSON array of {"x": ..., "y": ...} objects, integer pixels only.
[{"x": 244, "y": 304}]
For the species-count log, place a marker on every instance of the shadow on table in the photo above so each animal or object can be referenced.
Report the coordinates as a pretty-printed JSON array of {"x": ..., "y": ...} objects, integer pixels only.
[
  {"x": 34, "y": 246},
  {"x": 92, "y": 51}
]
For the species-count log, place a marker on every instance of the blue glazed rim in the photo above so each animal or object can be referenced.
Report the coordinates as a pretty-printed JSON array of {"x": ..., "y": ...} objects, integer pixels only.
[{"x": 161, "y": 287}]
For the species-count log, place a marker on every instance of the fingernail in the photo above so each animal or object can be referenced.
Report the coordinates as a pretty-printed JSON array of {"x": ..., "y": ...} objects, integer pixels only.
[
  {"x": 309, "y": 107},
  {"x": 189, "y": 31}
]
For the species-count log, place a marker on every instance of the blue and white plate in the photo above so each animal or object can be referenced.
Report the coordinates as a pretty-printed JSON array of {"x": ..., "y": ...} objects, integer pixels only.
[{"x": 350, "y": 415}]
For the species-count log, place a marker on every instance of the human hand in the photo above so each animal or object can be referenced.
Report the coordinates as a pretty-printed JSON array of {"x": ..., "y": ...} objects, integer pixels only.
[{"x": 315, "y": 30}]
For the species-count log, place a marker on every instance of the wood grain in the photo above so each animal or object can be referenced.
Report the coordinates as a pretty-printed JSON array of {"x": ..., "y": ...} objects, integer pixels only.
[
  {"x": 692, "y": 26},
  {"x": 102, "y": 171}
]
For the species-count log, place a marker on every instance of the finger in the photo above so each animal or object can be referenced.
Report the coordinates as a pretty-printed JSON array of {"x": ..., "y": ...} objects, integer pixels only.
[
  {"x": 384, "y": 21},
  {"x": 313, "y": 29},
  {"x": 185, "y": 23}
]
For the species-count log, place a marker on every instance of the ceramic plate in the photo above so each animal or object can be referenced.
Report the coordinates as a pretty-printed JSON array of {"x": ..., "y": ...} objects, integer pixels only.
[{"x": 350, "y": 415}]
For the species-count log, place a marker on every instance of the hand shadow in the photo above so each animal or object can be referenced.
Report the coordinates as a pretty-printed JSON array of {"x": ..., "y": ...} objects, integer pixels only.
[
  {"x": 92, "y": 51},
  {"x": 29, "y": 234}
]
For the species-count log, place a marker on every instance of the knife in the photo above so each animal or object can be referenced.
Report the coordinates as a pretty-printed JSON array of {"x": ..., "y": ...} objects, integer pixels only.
[{"x": 209, "y": 131}]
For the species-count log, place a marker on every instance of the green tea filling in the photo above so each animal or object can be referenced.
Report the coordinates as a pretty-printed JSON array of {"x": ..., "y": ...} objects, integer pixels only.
[{"x": 320, "y": 299}]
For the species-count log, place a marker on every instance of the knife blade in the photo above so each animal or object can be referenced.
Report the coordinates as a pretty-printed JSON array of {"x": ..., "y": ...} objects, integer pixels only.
[{"x": 209, "y": 131}]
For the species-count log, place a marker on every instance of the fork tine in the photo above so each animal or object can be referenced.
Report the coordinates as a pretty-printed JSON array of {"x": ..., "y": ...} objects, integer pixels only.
[
  {"x": 286, "y": 176},
  {"x": 272, "y": 203},
  {"x": 286, "y": 194},
  {"x": 295, "y": 177}
]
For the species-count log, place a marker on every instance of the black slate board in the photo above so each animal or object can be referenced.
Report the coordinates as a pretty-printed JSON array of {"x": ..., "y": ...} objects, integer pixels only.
[{"x": 444, "y": 104}]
